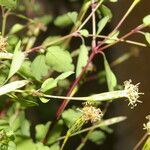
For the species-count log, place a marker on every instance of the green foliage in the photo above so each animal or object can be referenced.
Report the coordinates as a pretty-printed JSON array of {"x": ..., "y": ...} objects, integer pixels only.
[
  {"x": 66, "y": 19},
  {"x": 59, "y": 59},
  {"x": 70, "y": 116},
  {"x": 18, "y": 59},
  {"x": 102, "y": 23},
  {"x": 10, "y": 4},
  {"x": 39, "y": 68},
  {"x": 97, "y": 137},
  {"x": 82, "y": 59},
  {"x": 146, "y": 20},
  {"x": 110, "y": 77},
  {"x": 147, "y": 37},
  {"x": 16, "y": 28}
]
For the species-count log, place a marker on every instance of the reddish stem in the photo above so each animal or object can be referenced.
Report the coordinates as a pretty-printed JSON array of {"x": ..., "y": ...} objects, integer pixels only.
[{"x": 74, "y": 84}]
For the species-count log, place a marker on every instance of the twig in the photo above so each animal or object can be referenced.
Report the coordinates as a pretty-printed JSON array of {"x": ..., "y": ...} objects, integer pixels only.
[{"x": 140, "y": 142}]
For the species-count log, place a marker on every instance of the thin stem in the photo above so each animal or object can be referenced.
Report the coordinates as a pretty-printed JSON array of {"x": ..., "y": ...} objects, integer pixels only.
[
  {"x": 81, "y": 15},
  {"x": 93, "y": 25},
  {"x": 84, "y": 140},
  {"x": 51, "y": 43},
  {"x": 119, "y": 40},
  {"x": 120, "y": 22},
  {"x": 140, "y": 142},
  {"x": 4, "y": 16},
  {"x": 65, "y": 97},
  {"x": 87, "y": 19},
  {"x": 103, "y": 123},
  {"x": 135, "y": 30},
  {"x": 106, "y": 96},
  {"x": 126, "y": 14},
  {"x": 74, "y": 84}
]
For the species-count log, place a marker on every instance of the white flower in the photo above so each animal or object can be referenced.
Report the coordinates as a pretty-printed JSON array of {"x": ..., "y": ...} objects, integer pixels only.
[
  {"x": 91, "y": 113},
  {"x": 132, "y": 93},
  {"x": 147, "y": 125}
]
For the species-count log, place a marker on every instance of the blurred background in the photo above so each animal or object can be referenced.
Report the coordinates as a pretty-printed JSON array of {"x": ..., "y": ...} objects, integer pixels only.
[{"x": 128, "y": 133}]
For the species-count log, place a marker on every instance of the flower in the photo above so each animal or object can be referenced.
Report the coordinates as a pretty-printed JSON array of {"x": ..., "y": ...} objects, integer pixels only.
[
  {"x": 132, "y": 93},
  {"x": 3, "y": 43},
  {"x": 147, "y": 125},
  {"x": 91, "y": 113}
]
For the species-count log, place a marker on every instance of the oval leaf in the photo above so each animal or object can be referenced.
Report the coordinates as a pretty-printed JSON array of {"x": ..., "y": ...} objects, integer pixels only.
[
  {"x": 59, "y": 59},
  {"x": 12, "y": 86},
  {"x": 18, "y": 59},
  {"x": 102, "y": 23},
  {"x": 39, "y": 67},
  {"x": 16, "y": 28},
  {"x": 64, "y": 75},
  {"x": 48, "y": 84},
  {"x": 82, "y": 59},
  {"x": 147, "y": 37},
  {"x": 110, "y": 77},
  {"x": 146, "y": 20}
]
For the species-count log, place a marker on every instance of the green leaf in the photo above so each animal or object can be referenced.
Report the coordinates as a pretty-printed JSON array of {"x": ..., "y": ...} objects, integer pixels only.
[
  {"x": 39, "y": 67},
  {"x": 82, "y": 59},
  {"x": 147, "y": 144},
  {"x": 56, "y": 132},
  {"x": 41, "y": 146},
  {"x": 84, "y": 32},
  {"x": 25, "y": 144},
  {"x": 147, "y": 37},
  {"x": 25, "y": 127},
  {"x": 52, "y": 83},
  {"x": 64, "y": 75},
  {"x": 97, "y": 137},
  {"x": 106, "y": 11},
  {"x": 102, "y": 23},
  {"x": 110, "y": 77},
  {"x": 25, "y": 102},
  {"x": 46, "y": 19},
  {"x": 15, "y": 121},
  {"x": 58, "y": 59},
  {"x": 44, "y": 100},
  {"x": 50, "y": 39},
  {"x": 112, "y": 37},
  {"x": 48, "y": 84},
  {"x": 146, "y": 20},
  {"x": 73, "y": 16},
  {"x": 12, "y": 146},
  {"x": 12, "y": 86},
  {"x": 18, "y": 59},
  {"x": 10, "y": 4},
  {"x": 55, "y": 146},
  {"x": 41, "y": 131},
  {"x": 66, "y": 19},
  {"x": 16, "y": 28},
  {"x": 70, "y": 116},
  {"x": 26, "y": 69}
]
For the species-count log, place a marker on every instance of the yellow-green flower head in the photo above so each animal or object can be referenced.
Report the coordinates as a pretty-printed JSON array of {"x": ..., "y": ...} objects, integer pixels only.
[
  {"x": 3, "y": 43},
  {"x": 147, "y": 125}
]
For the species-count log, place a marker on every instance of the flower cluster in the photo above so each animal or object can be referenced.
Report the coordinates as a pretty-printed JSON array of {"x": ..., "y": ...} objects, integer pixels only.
[
  {"x": 147, "y": 125},
  {"x": 3, "y": 43},
  {"x": 91, "y": 113},
  {"x": 132, "y": 93}
]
